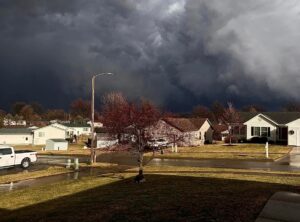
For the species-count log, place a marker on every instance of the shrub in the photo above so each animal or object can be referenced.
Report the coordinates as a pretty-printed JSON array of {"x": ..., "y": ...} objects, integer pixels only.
[
  {"x": 260, "y": 140},
  {"x": 234, "y": 139}
]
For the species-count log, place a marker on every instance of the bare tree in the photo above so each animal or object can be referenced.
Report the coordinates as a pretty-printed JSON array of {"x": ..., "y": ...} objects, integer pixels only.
[
  {"x": 218, "y": 111},
  {"x": 120, "y": 116},
  {"x": 2, "y": 116},
  {"x": 80, "y": 107},
  {"x": 202, "y": 112},
  {"x": 254, "y": 108},
  {"x": 28, "y": 113},
  {"x": 231, "y": 118}
]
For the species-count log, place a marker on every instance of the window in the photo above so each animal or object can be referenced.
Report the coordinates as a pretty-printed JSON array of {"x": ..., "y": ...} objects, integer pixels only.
[
  {"x": 261, "y": 131},
  {"x": 264, "y": 131},
  {"x": 26, "y": 138},
  {"x": 5, "y": 151},
  {"x": 85, "y": 129},
  {"x": 256, "y": 131},
  {"x": 41, "y": 134},
  {"x": 200, "y": 136}
]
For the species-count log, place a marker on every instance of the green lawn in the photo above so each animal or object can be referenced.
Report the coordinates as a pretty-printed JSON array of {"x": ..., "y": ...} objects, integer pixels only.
[
  {"x": 220, "y": 151},
  {"x": 169, "y": 194}
]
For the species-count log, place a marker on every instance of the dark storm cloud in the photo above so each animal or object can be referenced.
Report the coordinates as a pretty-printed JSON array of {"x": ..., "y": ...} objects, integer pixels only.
[{"x": 175, "y": 52}]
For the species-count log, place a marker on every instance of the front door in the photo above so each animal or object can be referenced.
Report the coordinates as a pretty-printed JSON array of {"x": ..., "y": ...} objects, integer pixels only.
[{"x": 6, "y": 157}]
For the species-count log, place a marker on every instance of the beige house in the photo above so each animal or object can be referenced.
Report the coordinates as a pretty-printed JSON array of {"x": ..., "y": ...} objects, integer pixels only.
[
  {"x": 183, "y": 131},
  {"x": 41, "y": 135},
  {"x": 16, "y": 136}
]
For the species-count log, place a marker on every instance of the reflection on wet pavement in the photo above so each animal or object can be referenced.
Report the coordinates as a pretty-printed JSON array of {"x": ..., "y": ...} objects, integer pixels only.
[{"x": 289, "y": 163}]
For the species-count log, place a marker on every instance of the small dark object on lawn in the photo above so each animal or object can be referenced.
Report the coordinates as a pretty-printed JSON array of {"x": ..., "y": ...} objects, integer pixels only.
[{"x": 140, "y": 177}]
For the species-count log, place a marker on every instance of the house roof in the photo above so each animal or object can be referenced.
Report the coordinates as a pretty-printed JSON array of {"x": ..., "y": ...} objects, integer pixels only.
[
  {"x": 12, "y": 131},
  {"x": 58, "y": 140},
  {"x": 277, "y": 117},
  {"x": 220, "y": 127},
  {"x": 102, "y": 130},
  {"x": 282, "y": 117},
  {"x": 52, "y": 125},
  {"x": 245, "y": 116},
  {"x": 186, "y": 124},
  {"x": 77, "y": 125}
]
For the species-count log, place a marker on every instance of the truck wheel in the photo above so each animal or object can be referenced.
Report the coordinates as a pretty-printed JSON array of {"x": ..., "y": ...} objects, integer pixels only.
[{"x": 25, "y": 163}]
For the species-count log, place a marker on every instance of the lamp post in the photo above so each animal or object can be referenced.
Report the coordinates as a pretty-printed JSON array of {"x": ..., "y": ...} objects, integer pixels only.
[{"x": 93, "y": 156}]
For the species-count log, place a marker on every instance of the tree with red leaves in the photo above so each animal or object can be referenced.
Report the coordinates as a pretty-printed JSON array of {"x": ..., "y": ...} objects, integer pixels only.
[
  {"x": 231, "y": 118},
  {"x": 121, "y": 116},
  {"x": 81, "y": 108}
]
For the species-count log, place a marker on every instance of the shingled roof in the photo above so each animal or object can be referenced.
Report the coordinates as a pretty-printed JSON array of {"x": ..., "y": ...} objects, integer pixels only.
[
  {"x": 282, "y": 117},
  {"x": 13, "y": 131},
  {"x": 278, "y": 117},
  {"x": 186, "y": 124}
]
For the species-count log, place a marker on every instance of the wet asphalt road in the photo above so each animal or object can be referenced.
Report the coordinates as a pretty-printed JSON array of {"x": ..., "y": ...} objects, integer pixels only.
[{"x": 289, "y": 163}]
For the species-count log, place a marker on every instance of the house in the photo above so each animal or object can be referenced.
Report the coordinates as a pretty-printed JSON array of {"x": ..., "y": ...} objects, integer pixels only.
[
  {"x": 183, "y": 131},
  {"x": 11, "y": 122},
  {"x": 96, "y": 124},
  {"x": 105, "y": 138},
  {"x": 79, "y": 128},
  {"x": 41, "y": 135},
  {"x": 16, "y": 136},
  {"x": 220, "y": 132},
  {"x": 56, "y": 144},
  {"x": 279, "y": 127}
]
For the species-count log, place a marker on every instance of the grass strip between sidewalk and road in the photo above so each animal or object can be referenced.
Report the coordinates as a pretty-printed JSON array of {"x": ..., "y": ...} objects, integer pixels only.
[
  {"x": 26, "y": 175},
  {"x": 254, "y": 152}
]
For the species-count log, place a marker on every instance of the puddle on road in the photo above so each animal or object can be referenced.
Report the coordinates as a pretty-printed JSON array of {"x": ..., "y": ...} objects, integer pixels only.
[{"x": 49, "y": 179}]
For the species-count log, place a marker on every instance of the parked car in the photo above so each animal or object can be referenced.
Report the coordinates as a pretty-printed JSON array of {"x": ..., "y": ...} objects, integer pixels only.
[
  {"x": 156, "y": 143},
  {"x": 9, "y": 157}
]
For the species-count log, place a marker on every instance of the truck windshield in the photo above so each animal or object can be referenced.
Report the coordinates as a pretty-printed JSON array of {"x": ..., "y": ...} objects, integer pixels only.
[{"x": 5, "y": 151}]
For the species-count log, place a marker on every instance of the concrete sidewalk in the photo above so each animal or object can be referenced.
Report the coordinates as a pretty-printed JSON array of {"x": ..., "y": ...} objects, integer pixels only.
[{"x": 282, "y": 206}]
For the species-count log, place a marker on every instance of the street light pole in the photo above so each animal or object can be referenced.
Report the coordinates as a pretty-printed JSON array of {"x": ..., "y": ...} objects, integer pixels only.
[{"x": 93, "y": 156}]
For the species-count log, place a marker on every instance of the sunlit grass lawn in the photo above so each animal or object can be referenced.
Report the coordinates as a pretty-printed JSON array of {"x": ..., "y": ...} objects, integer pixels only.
[
  {"x": 25, "y": 175},
  {"x": 169, "y": 194},
  {"x": 220, "y": 151},
  {"x": 73, "y": 149}
]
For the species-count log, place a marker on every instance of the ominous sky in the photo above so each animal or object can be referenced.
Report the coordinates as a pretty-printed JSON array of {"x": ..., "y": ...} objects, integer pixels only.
[{"x": 178, "y": 53}]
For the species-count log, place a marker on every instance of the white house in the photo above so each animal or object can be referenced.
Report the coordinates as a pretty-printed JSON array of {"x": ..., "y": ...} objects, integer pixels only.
[
  {"x": 41, "y": 135},
  {"x": 282, "y": 127},
  {"x": 185, "y": 131},
  {"x": 77, "y": 129},
  {"x": 16, "y": 136},
  {"x": 96, "y": 124},
  {"x": 11, "y": 122}
]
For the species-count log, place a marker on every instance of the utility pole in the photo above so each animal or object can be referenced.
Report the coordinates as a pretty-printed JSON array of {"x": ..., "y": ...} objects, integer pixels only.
[{"x": 93, "y": 153}]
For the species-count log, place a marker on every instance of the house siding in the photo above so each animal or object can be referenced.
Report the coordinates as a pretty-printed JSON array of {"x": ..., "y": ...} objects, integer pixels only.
[
  {"x": 164, "y": 130},
  {"x": 16, "y": 139},
  {"x": 294, "y": 139},
  {"x": 50, "y": 132},
  {"x": 259, "y": 121}
]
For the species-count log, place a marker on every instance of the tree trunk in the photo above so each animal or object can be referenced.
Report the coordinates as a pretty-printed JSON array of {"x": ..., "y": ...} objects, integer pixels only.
[
  {"x": 141, "y": 158},
  {"x": 141, "y": 153}
]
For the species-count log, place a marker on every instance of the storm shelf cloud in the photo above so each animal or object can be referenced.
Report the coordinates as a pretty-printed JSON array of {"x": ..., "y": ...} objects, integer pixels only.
[{"x": 178, "y": 53}]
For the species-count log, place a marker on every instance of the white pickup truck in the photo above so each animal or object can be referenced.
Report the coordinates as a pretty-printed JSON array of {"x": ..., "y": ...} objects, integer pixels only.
[{"x": 9, "y": 157}]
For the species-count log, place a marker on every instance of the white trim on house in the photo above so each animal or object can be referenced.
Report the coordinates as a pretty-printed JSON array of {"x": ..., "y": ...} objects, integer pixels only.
[
  {"x": 260, "y": 114},
  {"x": 288, "y": 132}
]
